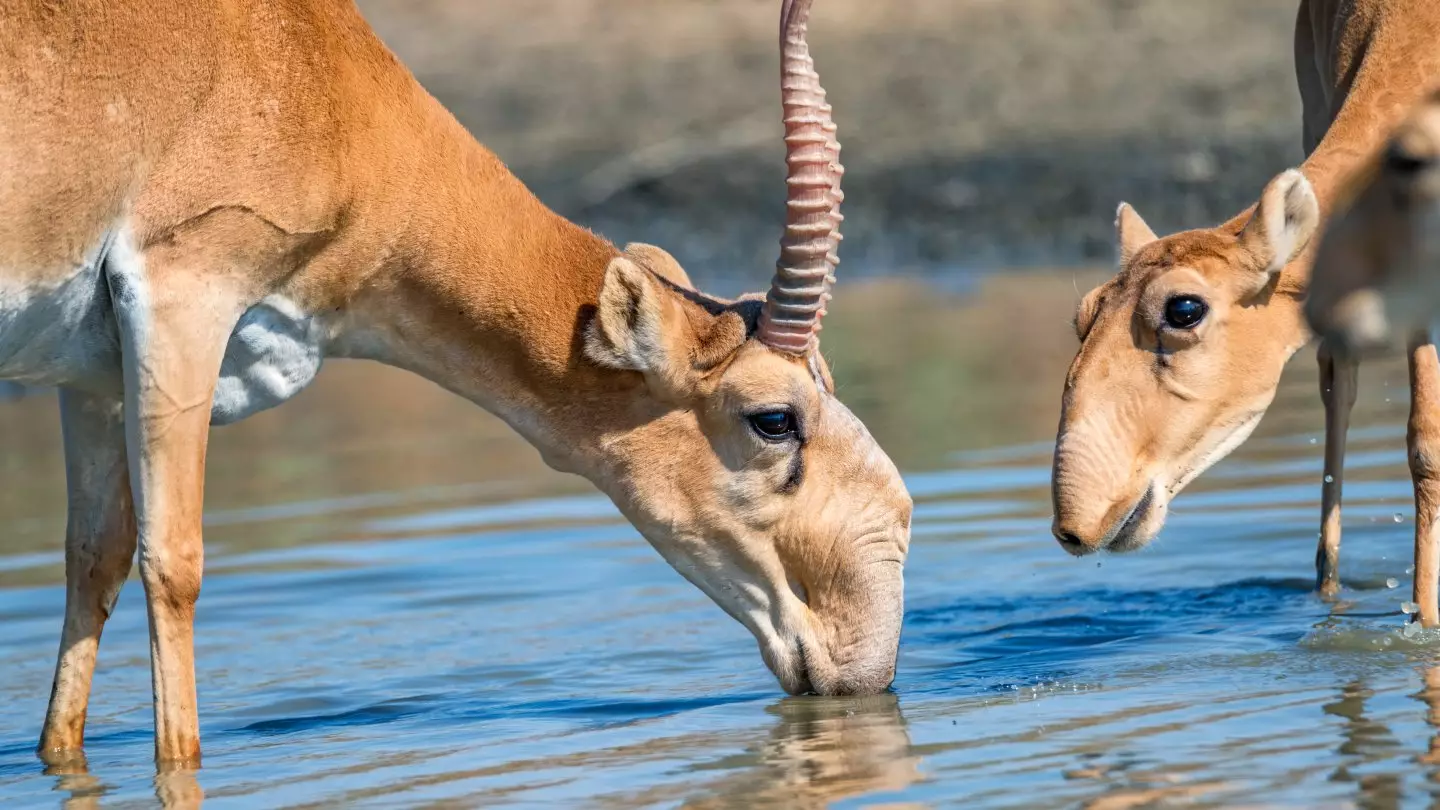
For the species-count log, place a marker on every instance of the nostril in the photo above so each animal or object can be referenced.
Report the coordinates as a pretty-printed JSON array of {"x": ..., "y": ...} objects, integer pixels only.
[{"x": 1071, "y": 542}]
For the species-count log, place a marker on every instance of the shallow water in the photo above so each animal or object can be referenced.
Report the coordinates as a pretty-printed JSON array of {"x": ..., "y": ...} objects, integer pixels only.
[{"x": 403, "y": 607}]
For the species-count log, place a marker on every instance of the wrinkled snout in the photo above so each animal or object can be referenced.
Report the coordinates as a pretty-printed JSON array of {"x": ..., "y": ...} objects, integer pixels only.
[
  {"x": 837, "y": 657},
  {"x": 1087, "y": 526},
  {"x": 1355, "y": 323},
  {"x": 1375, "y": 274},
  {"x": 843, "y": 636},
  {"x": 1102, "y": 501}
]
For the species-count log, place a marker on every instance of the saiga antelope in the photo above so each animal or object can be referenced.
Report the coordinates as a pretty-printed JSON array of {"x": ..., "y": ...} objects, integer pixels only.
[
  {"x": 1377, "y": 271},
  {"x": 1181, "y": 352},
  {"x": 200, "y": 203}
]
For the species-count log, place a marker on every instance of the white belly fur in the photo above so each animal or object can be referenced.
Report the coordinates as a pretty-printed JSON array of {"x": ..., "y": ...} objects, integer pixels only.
[
  {"x": 65, "y": 334},
  {"x": 60, "y": 332},
  {"x": 274, "y": 352}
]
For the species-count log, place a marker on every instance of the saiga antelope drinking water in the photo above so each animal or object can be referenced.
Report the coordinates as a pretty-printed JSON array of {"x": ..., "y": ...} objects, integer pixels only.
[
  {"x": 1181, "y": 352},
  {"x": 1377, "y": 271},
  {"x": 232, "y": 194}
]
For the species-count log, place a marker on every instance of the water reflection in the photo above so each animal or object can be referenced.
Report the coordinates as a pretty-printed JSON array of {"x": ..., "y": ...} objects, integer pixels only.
[
  {"x": 1430, "y": 695},
  {"x": 82, "y": 789},
  {"x": 820, "y": 751},
  {"x": 174, "y": 789},
  {"x": 478, "y": 630},
  {"x": 1364, "y": 740}
]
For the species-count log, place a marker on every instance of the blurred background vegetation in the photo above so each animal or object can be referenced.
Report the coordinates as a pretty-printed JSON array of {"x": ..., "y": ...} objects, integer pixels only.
[{"x": 977, "y": 133}]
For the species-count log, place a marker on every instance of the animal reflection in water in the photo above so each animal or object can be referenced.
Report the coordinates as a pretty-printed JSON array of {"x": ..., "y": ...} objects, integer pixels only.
[
  {"x": 821, "y": 752},
  {"x": 175, "y": 789}
]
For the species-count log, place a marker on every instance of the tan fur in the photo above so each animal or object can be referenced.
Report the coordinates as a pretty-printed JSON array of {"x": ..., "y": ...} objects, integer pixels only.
[
  {"x": 252, "y": 148},
  {"x": 1376, "y": 274},
  {"x": 1378, "y": 270},
  {"x": 1148, "y": 407}
]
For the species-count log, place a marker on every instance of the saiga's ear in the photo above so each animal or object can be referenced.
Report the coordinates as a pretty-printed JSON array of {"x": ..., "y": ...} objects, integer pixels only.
[
  {"x": 659, "y": 261},
  {"x": 644, "y": 324},
  {"x": 1086, "y": 312},
  {"x": 1285, "y": 219},
  {"x": 1131, "y": 233}
]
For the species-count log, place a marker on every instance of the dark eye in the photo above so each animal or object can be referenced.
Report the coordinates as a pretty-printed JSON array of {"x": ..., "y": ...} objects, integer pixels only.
[
  {"x": 773, "y": 425},
  {"x": 1184, "y": 311},
  {"x": 1404, "y": 163}
]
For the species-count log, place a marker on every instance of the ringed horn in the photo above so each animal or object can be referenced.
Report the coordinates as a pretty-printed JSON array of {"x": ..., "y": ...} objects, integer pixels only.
[{"x": 790, "y": 320}]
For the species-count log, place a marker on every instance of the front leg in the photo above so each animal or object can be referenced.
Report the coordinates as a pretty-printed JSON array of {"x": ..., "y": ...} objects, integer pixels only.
[
  {"x": 1423, "y": 445},
  {"x": 99, "y": 546},
  {"x": 174, "y": 322},
  {"x": 1337, "y": 390}
]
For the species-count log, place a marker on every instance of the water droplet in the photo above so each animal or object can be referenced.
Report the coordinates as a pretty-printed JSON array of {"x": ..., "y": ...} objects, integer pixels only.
[
  {"x": 1409, "y": 607},
  {"x": 1392, "y": 582},
  {"x": 1314, "y": 440},
  {"x": 1097, "y": 565},
  {"x": 1399, "y": 518},
  {"x": 1410, "y": 570},
  {"x": 1329, "y": 479}
]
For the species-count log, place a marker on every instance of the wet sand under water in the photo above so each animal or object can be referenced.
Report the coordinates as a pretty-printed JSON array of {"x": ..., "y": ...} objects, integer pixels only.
[{"x": 404, "y": 607}]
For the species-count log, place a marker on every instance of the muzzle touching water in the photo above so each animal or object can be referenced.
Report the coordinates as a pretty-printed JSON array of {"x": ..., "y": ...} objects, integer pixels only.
[{"x": 849, "y": 649}]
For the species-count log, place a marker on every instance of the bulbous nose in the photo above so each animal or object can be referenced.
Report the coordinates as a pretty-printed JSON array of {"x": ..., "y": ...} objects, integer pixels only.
[
  {"x": 1356, "y": 323},
  {"x": 1073, "y": 538}
]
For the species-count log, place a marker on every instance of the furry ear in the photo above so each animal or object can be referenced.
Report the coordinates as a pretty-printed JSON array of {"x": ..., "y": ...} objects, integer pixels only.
[
  {"x": 660, "y": 262},
  {"x": 1284, "y": 220},
  {"x": 1131, "y": 233},
  {"x": 626, "y": 323},
  {"x": 644, "y": 323},
  {"x": 1086, "y": 312}
]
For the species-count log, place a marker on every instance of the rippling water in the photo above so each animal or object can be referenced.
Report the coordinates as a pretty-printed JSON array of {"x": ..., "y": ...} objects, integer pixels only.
[{"x": 403, "y": 607}]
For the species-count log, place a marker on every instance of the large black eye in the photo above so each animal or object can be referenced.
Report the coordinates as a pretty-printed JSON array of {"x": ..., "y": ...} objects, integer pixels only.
[
  {"x": 773, "y": 425},
  {"x": 1184, "y": 311},
  {"x": 1404, "y": 163}
]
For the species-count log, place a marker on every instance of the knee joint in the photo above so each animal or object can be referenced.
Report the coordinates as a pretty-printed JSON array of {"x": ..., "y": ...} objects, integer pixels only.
[
  {"x": 1424, "y": 457},
  {"x": 173, "y": 577}
]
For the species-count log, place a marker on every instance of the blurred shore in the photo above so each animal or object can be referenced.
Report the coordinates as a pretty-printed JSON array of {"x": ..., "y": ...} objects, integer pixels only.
[{"x": 978, "y": 134}]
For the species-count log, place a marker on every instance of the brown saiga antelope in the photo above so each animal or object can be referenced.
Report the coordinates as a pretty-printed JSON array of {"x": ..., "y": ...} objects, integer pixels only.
[
  {"x": 1377, "y": 271},
  {"x": 1181, "y": 352},
  {"x": 199, "y": 204}
]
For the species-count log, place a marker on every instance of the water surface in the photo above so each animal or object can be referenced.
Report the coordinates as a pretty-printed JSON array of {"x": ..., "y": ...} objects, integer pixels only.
[{"x": 404, "y": 607}]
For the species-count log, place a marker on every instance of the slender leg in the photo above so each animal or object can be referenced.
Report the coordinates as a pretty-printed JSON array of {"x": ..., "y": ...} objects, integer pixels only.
[
  {"x": 99, "y": 547},
  {"x": 1423, "y": 444},
  {"x": 174, "y": 324},
  {"x": 1337, "y": 391}
]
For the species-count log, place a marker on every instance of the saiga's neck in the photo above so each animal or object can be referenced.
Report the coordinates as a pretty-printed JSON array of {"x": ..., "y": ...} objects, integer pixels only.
[{"x": 482, "y": 289}]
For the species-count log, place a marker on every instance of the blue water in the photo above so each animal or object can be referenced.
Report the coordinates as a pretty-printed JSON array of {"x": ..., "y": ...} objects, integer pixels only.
[{"x": 485, "y": 633}]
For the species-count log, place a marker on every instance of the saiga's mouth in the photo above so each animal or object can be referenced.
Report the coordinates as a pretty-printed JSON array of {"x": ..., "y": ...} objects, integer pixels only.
[
  {"x": 1123, "y": 539},
  {"x": 1121, "y": 536}
]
